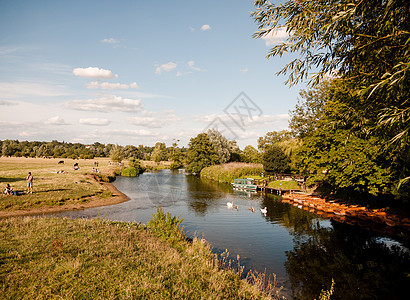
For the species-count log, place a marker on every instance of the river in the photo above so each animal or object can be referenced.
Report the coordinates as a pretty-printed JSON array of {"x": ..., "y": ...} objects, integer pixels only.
[{"x": 304, "y": 250}]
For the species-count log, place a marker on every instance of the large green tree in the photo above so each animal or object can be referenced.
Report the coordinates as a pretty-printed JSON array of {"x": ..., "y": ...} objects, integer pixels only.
[
  {"x": 159, "y": 153},
  {"x": 365, "y": 46},
  {"x": 346, "y": 162},
  {"x": 366, "y": 43},
  {"x": 251, "y": 155},
  {"x": 275, "y": 160},
  {"x": 200, "y": 154}
]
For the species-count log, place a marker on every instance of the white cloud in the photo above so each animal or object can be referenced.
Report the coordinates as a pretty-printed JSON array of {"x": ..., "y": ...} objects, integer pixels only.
[
  {"x": 94, "y": 72},
  {"x": 5, "y": 50},
  {"x": 205, "y": 27},
  {"x": 275, "y": 37},
  {"x": 5, "y": 102},
  {"x": 248, "y": 122},
  {"x": 178, "y": 74},
  {"x": 171, "y": 116},
  {"x": 244, "y": 70},
  {"x": 147, "y": 113},
  {"x": 24, "y": 89},
  {"x": 55, "y": 121},
  {"x": 134, "y": 85},
  {"x": 130, "y": 132},
  {"x": 106, "y": 103},
  {"x": 111, "y": 86},
  {"x": 165, "y": 67},
  {"x": 95, "y": 122},
  {"x": 191, "y": 65},
  {"x": 110, "y": 41},
  {"x": 149, "y": 122}
]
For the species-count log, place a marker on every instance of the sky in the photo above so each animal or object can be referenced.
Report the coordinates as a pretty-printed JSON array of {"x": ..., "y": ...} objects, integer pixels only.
[{"x": 138, "y": 72}]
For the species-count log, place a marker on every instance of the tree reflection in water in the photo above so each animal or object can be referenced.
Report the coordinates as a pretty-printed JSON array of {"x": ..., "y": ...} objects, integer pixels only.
[
  {"x": 204, "y": 194},
  {"x": 351, "y": 256}
]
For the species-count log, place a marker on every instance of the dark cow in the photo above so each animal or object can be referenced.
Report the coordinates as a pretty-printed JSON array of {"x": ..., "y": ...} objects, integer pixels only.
[
  {"x": 61, "y": 162},
  {"x": 76, "y": 165}
]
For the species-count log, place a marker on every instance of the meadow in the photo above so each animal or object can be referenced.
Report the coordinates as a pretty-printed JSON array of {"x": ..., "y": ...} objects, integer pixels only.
[
  {"x": 49, "y": 258},
  {"x": 51, "y": 186}
]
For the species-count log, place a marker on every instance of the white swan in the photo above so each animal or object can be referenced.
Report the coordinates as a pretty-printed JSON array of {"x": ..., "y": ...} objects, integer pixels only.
[
  {"x": 229, "y": 204},
  {"x": 264, "y": 210}
]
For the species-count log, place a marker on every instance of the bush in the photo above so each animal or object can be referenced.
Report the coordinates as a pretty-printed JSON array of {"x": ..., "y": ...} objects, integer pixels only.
[
  {"x": 130, "y": 172},
  {"x": 176, "y": 165}
]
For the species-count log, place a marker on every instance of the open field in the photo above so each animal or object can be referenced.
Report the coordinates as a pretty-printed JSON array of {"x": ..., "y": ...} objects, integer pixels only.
[
  {"x": 49, "y": 258},
  {"x": 54, "y": 191}
]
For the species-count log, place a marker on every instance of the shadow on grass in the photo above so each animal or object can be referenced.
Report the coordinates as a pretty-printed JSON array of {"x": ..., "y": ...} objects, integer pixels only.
[
  {"x": 55, "y": 190},
  {"x": 6, "y": 179}
]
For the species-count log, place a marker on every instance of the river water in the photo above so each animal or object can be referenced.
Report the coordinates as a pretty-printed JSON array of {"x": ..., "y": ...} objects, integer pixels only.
[{"x": 304, "y": 250}]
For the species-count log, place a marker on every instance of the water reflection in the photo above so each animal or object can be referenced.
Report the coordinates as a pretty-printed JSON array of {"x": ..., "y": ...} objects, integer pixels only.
[
  {"x": 304, "y": 250},
  {"x": 362, "y": 265}
]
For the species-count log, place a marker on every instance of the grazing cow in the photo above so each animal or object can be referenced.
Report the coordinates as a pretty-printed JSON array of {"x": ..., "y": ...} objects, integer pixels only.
[
  {"x": 61, "y": 162},
  {"x": 76, "y": 165}
]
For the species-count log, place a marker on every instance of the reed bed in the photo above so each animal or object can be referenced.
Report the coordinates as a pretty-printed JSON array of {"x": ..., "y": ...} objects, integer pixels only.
[{"x": 226, "y": 173}]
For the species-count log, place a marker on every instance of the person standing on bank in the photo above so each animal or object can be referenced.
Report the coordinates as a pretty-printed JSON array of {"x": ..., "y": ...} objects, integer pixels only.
[{"x": 29, "y": 179}]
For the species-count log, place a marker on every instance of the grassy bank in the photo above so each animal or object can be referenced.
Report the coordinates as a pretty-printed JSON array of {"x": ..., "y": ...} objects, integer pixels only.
[
  {"x": 228, "y": 172},
  {"x": 88, "y": 259},
  {"x": 51, "y": 187},
  {"x": 285, "y": 185}
]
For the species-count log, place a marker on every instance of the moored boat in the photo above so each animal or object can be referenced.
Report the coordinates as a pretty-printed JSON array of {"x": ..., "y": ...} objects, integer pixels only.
[{"x": 244, "y": 184}]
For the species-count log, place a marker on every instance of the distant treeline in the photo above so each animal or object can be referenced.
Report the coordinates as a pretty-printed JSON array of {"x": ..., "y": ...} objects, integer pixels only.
[{"x": 72, "y": 150}]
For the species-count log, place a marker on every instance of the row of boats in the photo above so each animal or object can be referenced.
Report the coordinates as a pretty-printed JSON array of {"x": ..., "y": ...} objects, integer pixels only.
[{"x": 345, "y": 212}]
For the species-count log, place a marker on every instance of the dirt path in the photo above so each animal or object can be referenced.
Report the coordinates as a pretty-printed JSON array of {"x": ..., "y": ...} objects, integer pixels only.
[{"x": 117, "y": 197}]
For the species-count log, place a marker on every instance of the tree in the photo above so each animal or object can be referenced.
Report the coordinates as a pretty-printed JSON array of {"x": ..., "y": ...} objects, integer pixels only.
[
  {"x": 364, "y": 42},
  {"x": 116, "y": 154},
  {"x": 272, "y": 138},
  {"x": 342, "y": 162},
  {"x": 159, "y": 153},
  {"x": 220, "y": 144},
  {"x": 200, "y": 154},
  {"x": 275, "y": 160},
  {"x": 309, "y": 109},
  {"x": 251, "y": 155},
  {"x": 177, "y": 156},
  {"x": 134, "y": 168}
]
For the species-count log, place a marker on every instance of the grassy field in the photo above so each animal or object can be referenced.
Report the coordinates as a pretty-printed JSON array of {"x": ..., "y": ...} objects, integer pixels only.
[
  {"x": 228, "y": 172},
  {"x": 50, "y": 188},
  {"x": 50, "y": 258}
]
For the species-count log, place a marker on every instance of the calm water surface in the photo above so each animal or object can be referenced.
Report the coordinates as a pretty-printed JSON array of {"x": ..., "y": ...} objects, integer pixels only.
[{"x": 304, "y": 250}]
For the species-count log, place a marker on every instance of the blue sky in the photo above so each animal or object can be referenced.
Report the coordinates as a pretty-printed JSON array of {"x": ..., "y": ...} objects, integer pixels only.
[{"x": 137, "y": 72}]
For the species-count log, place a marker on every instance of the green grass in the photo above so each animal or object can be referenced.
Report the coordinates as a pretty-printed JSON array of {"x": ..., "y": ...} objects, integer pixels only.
[
  {"x": 285, "y": 185},
  {"x": 50, "y": 188},
  {"x": 228, "y": 172},
  {"x": 53, "y": 258}
]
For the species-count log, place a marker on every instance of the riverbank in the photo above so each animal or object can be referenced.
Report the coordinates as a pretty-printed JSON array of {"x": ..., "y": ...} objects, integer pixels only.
[
  {"x": 81, "y": 258},
  {"x": 57, "y": 186},
  {"x": 95, "y": 201}
]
